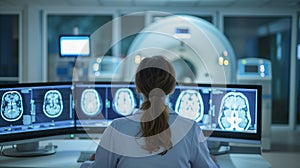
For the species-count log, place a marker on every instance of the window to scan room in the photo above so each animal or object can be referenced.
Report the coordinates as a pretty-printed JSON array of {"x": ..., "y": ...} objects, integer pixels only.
[
  {"x": 61, "y": 68},
  {"x": 9, "y": 48},
  {"x": 264, "y": 39}
]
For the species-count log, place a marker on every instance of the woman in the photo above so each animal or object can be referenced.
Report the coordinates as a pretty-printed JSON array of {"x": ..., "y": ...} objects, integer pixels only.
[{"x": 155, "y": 136}]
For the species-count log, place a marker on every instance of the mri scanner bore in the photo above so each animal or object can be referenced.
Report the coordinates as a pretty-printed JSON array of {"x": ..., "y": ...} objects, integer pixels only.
[{"x": 11, "y": 106}]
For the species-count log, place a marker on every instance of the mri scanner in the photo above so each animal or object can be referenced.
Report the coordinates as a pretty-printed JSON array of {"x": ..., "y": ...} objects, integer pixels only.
[{"x": 199, "y": 52}]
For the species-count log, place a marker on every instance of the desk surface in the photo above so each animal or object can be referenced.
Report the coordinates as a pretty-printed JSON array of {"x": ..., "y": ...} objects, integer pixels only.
[{"x": 68, "y": 152}]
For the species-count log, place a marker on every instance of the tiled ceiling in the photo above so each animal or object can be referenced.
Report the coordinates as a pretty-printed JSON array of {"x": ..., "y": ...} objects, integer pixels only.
[{"x": 192, "y": 3}]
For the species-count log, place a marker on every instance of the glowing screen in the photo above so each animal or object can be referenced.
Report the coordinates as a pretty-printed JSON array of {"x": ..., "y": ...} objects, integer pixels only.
[
  {"x": 223, "y": 109},
  {"x": 74, "y": 46},
  {"x": 11, "y": 106},
  {"x": 98, "y": 104},
  {"x": 234, "y": 112},
  {"x": 124, "y": 102},
  {"x": 36, "y": 108},
  {"x": 47, "y": 107},
  {"x": 189, "y": 104},
  {"x": 91, "y": 102},
  {"x": 90, "y": 105},
  {"x": 213, "y": 108},
  {"x": 53, "y": 104}
]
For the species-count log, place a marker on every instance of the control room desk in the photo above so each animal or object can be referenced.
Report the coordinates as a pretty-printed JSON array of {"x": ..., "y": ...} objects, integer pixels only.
[{"x": 68, "y": 151}]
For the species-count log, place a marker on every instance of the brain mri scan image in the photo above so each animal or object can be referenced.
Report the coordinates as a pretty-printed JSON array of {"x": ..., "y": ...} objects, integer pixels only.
[
  {"x": 234, "y": 112},
  {"x": 11, "y": 106},
  {"x": 91, "y": 102},
  {"x": 190, "y": 105},
  {"x": 53, "y": 104},
  {"x": 124, "y": 102}
]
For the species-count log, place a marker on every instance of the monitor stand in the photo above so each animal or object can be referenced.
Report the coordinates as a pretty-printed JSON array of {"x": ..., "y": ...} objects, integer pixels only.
[
  {"x": 218, "y": 148},
  {"x": 29, "y": 149}
]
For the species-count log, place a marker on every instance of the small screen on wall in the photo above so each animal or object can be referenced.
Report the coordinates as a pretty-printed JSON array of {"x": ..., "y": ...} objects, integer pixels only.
[{"x": 74, "y": 46}]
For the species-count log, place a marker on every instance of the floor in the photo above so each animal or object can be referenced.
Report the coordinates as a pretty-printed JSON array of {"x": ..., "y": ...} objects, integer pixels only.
[{"x": 285, "y": 148}]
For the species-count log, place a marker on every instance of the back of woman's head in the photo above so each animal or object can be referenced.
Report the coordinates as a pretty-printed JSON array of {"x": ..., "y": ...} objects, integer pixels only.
[
  {"x": 155, "y": 78},
  {"x": 155, "y": 72}
]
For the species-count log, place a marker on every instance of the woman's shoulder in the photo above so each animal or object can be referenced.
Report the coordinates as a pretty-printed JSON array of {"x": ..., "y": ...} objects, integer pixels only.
[
  {"x": 120, "y": 121},
  {"x": 128, "y": 125}
]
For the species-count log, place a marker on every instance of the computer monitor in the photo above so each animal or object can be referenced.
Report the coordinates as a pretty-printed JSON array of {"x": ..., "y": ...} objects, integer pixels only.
[
  {"x": 30, "y": 111},
  {"x": 98, "y": 103},
  {"x": 226, "y": 113},
  {"x": 74, "y": 46}
]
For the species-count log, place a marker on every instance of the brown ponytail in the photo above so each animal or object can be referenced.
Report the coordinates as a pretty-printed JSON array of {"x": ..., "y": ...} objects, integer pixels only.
[{"x": 155, "y": 78}]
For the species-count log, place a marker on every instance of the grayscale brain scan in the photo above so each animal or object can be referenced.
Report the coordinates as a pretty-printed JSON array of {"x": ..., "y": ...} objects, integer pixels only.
[
  {"x": 11, "y": 106},
  {"x": 234, "y": 112},
  {"x": 91, "y": 102},
  {"x": 190, "y": 105},
  {"x": 53, "y": 104},
  {"x": 124, "y": 102}
]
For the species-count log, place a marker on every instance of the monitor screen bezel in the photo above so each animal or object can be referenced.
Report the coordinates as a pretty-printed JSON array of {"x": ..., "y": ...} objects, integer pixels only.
[
  {"x": 20, "y": 137},
  {"x": 74, "y": 55},
  {"x": 227, "y": 136}
]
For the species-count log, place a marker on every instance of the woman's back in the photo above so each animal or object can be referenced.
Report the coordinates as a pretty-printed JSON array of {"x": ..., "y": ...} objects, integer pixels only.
[{"x": 121, "y": 148}]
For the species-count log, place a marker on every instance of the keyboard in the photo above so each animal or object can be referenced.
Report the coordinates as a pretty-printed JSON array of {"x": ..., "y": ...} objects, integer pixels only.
[{"x": 85, "y": 155}]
